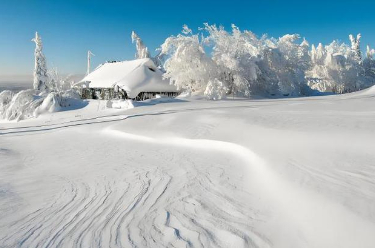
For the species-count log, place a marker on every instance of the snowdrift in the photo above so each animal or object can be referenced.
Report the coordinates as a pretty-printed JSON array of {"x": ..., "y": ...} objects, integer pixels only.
[
  {"x": 367, "y": 92},
  {"x": 120, "y": 104}
]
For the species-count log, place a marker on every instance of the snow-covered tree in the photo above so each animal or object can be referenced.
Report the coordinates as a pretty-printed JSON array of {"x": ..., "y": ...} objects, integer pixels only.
[
  {"x": 215, "y": 90},
  {"x": 338, "y": 67},
  {"x": 57, "y": 83},
  {"x": 282, "y": 65},
  {"x": 369, "y": 52},
  {"x": 142, "y": 50},
  {"x": 235, "y": 55},
  {"x": 295, "y": 62},
  {"x": 369, "y": 66},
  {"x": 40, "y": 69},
  {"x": 187, "y": 64},
  {"x": 245, "y": 64},
  {"x": 356, "y": 47}
]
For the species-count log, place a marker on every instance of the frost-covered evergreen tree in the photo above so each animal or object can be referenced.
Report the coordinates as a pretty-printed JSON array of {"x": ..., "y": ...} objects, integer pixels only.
[
  {"x": 303, "y": 54},
  {"x": 142, "y": 50},
  {"x": 369, "y": 66},
  {"x": 356, "y": 47},
  {"x": 40, "y": 69},
  {"x": 320, "y": 54},
  {"x": 369, "y": 53},
  {"x": 338, "y": 67}
]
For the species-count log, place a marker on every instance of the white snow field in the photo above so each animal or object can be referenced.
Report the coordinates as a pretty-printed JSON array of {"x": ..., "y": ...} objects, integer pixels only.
[{"x": 193, "y": 173}]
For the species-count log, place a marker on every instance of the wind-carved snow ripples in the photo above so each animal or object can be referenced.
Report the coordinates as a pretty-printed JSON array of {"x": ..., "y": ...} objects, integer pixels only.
[{"x": 194, "y": 205}]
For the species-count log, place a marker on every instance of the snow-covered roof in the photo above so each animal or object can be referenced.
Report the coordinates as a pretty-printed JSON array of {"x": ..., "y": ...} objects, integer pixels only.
[{"x": 135, "y": 76}]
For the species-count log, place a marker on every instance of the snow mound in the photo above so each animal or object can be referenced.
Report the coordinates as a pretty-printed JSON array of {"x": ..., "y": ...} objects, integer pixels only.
[
  {"x": 70, "y": 99},
  {"x": 120, "y": 104},
  {"x": 368, "y": 92}
]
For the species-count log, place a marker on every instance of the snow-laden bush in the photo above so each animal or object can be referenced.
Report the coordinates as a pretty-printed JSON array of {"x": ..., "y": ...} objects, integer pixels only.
[
  {"x": 32, "y": 103},
  {"x": 215, "y": 90},
  {"x": 51, "y": 103},
  {"x": 5, "y": 98},
  {"x": 22, "y": 105},
  {"x": 70, "y": 98}
]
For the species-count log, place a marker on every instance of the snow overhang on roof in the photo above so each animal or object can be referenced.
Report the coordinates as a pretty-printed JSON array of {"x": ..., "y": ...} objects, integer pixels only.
[{"x": 135, "y": 76}]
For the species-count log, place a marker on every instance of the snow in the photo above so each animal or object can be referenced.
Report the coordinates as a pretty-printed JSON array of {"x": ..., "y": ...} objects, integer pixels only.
[
  {"x": 120, "y": 104},
  {"x": 133, "y": 76},
  {"x": 296, "y": 172}
]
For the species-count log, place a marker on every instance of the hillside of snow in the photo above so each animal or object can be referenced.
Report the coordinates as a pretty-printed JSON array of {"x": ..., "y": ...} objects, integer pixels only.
[{"x": 295, "y": 172}]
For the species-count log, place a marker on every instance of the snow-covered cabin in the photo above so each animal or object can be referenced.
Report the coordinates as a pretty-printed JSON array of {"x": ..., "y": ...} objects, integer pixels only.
[{"x": 136, "y": 79}]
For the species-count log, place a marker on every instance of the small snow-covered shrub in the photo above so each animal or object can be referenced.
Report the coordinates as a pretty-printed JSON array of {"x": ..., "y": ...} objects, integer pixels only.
[
  {"x": 70, "y": 98},
  {"x": 215, "y": 90},
  {"x": 70, "y": 93},
  {"x": 51, "y": 103},
  {"x": 32, "y": 103},
  {"x": 5, "y": 98},
  {"x": 22, "y": 105}
]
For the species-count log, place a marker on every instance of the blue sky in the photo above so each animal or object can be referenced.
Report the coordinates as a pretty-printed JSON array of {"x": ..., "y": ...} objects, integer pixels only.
[{"x": 70, "y": 28}]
